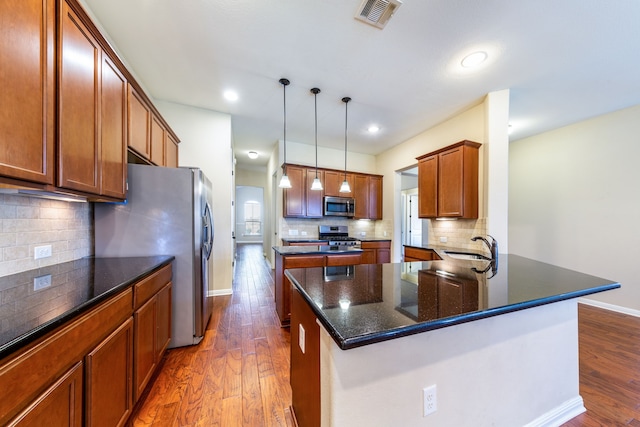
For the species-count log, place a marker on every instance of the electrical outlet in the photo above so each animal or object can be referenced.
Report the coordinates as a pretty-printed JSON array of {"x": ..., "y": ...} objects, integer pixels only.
[
  {"x": 430, "y": 400},
  {"x": 293, "y": 232},
  {"x": 363, "y": 233},
  {"x": 443, "y": 240},
  {"x": 301, "y": 337},
  {"x": 41, "y": 282},
  {"x": 304, "y": 233},
  {"x": 41, "y": 252}
]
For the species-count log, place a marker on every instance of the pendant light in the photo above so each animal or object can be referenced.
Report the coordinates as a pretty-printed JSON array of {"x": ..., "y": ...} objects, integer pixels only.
[
  {"x": 316, "y": 185},
  {"x": 345, "y": 188},
  {"x": 284, "y": 181}
]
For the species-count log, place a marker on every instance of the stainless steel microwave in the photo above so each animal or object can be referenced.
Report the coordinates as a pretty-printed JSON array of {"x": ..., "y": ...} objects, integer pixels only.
[{"x": 339, "y": 206}]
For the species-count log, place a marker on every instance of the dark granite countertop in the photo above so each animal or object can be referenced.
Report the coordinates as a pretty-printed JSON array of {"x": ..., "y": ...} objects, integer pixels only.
[
  {"x": 315, "y": 250},
  {"x": 374, "y": 239},
  {"x": 385, "y": 301},
  {"x": 29, "y": 310},
  {"x": 303, "y": 240}
]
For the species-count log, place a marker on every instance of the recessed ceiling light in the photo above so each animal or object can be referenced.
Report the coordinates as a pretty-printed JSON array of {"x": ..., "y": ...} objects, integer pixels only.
[
  {"x": 230, "y": 95},
  {"x": 253, "y": 154},
  {"x": 373, "y": 129},
  {"x": 474, "y": 59}
]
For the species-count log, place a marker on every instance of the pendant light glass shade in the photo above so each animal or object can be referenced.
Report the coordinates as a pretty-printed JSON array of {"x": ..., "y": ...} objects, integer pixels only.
[
  {"x": 316, "y": 185},
  {"x": 345, "y": 188},
  {"x": 284, "y": 181}
]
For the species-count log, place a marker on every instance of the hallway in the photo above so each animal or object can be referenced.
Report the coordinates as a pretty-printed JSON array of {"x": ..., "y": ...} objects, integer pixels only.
[{"x": 239, "y": 374}]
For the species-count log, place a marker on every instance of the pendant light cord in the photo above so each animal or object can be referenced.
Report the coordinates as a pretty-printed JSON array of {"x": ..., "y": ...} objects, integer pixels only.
[
  {"x": 284, "y": 83},
  {"x": 346, "y": 100},
  {"x": 315, "y": 92}
]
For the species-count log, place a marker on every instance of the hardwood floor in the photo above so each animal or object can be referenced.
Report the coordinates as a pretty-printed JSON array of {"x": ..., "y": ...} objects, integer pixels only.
[
  {"x": 239, "y": 374},
  {"x": 609, "y": 368}
]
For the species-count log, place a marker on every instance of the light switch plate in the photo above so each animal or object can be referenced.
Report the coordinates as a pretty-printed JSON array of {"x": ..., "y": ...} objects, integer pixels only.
[
  {"x": 301, "y": 337},
  {"x": 41, "y": 282}
]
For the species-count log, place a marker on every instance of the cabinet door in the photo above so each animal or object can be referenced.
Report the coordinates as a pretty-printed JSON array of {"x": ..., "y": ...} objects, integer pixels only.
[
  {"x": 78, "y": 105},
  {"x": 361, "y": 195},
  {"x": 139, "y": 124},
  {"x": 144, "y": 348},
  {"x": 368, "y": 256},
  {"x": 375, "y": 197},
  {"x": 428, "y": 187},
  {"x": 171, "y": 152},
  {"x": 27, "y": 96},
  {"x": 314, "y": 197},
  {"x": 108, "y": 379},
  {"x": 113, "y": 130},
  {"x": 157, "y": 141},
  {"x": 163, "y": 321},
  {"x": 450, "y": 180},
  {"x": 60, "y": 405},
  {"x": 294, "y": 198},
  {"x": 333, "y": 181},
  {"x": 383, "y": 256}
]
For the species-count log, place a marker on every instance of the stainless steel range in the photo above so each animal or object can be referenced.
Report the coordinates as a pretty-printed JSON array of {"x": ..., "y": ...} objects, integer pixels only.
[{"x": 337, "y": 235}]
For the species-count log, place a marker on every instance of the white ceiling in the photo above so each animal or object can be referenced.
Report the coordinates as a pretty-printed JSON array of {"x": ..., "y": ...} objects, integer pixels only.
[{"x": 563, "y": 61}]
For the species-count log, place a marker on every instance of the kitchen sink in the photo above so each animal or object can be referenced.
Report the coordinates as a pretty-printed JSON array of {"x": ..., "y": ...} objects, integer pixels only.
[{"x": 467, "y": 255}]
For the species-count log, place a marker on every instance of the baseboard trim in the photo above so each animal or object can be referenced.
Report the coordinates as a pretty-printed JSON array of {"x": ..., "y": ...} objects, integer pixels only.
[
  {"x": 220, "y": 292},
  {"x": 612, "y": 307},
  {"x": 561, "y": 414}
]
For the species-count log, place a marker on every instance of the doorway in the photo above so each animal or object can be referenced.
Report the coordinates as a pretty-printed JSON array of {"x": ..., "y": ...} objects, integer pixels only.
[{"x": 249, "y": 214}]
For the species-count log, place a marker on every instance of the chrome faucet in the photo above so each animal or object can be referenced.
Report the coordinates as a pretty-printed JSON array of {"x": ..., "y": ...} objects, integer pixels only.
[{"x": 493, "y": 246}]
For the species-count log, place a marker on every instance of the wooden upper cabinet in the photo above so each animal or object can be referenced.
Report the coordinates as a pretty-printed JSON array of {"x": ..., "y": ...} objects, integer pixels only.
[
  {"x": 361, "y": 195},
  {"x": 428, "y": 187},
  {"x": 139, "y": 124},
  {"x": 333, "y": 181},
  {"x": 375, "y": 197},
  {"x": 171, "y": 152},
  {"x": 27, "y": 97},
  {"x": 314, "y": 199},
  {"x": 113, "y": 130},
  {"x": 158, "y": 136},
  {"x": 294, "y": 198},
  {"x": 79, "y": 105},
  {"x": 448, "y": 182}
]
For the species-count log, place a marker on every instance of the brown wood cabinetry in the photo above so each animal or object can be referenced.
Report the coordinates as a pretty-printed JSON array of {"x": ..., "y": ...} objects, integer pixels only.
[
  {"x": 46, "y": 377},
  {"x": 59, "y": 405},
  {"x": 171, "y": 152},
  {"x": 139, "y": 124},
  {"x": 108, "y": 379},
  {"x": 412, "y": 254},
  {"x": 27, "y": 98},
  {"x": 302, "y": 202},
  {"x": 448, "y": 182},
  {"x": 376, "y": 252},
  {"x": 78, "y": 105},
  {"x": 333, "y": 181},
  {"x": 158, "y": 141}
]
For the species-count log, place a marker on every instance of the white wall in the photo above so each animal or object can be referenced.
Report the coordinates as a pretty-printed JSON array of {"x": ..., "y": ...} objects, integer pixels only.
[
  {"x": 574, "y": 200},
  {"x": 206, "y": 143},
  {"x": 330, "y": 158}
]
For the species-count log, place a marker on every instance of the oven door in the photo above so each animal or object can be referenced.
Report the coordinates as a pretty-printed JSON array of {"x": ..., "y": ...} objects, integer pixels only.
[{"x": 339, "y": 206}]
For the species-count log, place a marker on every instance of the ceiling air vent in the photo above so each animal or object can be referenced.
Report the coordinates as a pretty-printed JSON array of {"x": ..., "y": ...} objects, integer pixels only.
[{"x": 377, "y": 12}]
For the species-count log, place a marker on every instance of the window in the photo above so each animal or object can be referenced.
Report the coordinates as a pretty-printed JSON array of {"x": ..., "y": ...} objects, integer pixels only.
[{"x": 252, "y": 219}]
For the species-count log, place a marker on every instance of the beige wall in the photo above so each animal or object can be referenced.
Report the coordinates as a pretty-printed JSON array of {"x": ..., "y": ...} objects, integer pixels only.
[
  {"x": 27, "y": 222},
  {"x": 574, "y": 200}
]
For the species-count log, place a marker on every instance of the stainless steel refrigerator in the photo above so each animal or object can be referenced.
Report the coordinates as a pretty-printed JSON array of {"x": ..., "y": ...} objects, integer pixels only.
[{"x": 167, "y": 212}]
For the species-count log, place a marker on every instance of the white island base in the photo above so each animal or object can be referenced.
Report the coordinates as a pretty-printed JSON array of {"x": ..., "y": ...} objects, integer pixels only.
[{"x": 515, "y": 369}]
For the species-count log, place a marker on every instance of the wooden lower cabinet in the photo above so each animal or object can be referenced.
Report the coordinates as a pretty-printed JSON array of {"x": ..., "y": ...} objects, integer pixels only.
[
  {"x": 108, "y": 379},
  {"x": 59, "y": 405},
  {"x": 305, "y": 365},
  {"x": 82, "y": 373},
  {"x": 376, "y": 252}
]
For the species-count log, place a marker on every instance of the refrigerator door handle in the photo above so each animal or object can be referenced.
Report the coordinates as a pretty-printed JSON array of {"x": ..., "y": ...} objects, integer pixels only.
[{"x": 208, "y": 231}]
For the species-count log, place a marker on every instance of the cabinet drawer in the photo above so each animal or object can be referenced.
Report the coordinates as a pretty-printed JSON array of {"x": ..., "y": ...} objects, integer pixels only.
[
  {"x": 376, "y": 245},
  {"x": 29, "y": 373},
  {"x": 419, "y": 254},
  {"x": 150, "y": 286},
  {"x": 304, "y": 261},
  {"x": 350, "y": 259}
]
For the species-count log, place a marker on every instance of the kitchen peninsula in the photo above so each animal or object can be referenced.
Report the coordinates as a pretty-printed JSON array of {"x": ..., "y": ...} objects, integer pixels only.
[{"x": 499, "y": 345}]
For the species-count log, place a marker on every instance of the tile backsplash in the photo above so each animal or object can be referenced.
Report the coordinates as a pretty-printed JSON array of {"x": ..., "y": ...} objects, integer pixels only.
[
  {"x": 458, "y": 233},
  {"x": 28, "y": 222}
]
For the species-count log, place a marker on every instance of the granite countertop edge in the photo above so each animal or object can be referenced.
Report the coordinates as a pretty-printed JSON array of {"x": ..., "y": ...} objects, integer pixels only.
[
  {"x": 315, "y": 250},
  {"x": 380, "y": 336},
  {"x": 49, "y": 326}
]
